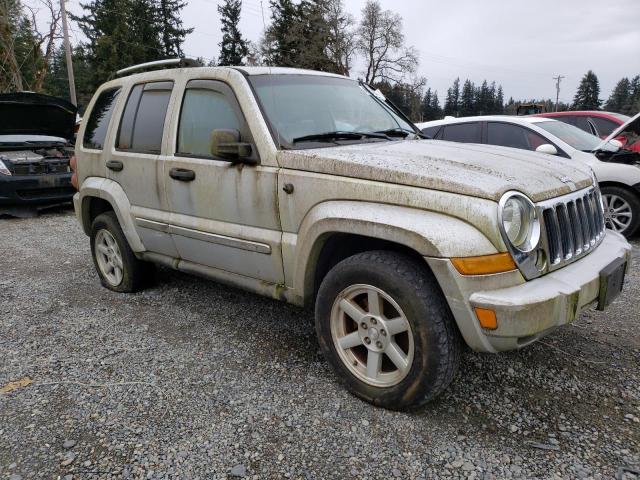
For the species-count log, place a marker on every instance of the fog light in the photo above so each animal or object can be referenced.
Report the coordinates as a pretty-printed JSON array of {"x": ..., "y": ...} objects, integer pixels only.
[{"x": 487, "y": 318}]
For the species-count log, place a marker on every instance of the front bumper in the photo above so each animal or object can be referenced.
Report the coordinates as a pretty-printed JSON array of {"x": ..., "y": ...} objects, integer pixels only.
[
  {"x": 34, "y": 190},
  {"x": 525, "y": 310}
]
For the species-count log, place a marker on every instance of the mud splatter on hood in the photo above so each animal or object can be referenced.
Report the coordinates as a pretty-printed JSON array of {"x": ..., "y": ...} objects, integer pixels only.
[{"x": 469, "y": 169}]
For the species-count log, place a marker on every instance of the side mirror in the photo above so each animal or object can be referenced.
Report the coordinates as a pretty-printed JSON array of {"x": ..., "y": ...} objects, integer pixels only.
[
  {"x": 616, "y": 143},
  {"x": 547, "y": 148},
  {"x": 227, "y": 144}
]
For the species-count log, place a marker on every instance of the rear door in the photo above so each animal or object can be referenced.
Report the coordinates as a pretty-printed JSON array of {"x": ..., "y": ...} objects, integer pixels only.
[
  {"x": 133, "y": 162},
  {"x": 224, "y": 214}
]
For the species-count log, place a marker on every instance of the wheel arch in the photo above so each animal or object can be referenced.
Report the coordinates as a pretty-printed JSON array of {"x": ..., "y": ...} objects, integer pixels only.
[
  {"x": 99, "y": 195},
  {"x": 335, "y": 230}
]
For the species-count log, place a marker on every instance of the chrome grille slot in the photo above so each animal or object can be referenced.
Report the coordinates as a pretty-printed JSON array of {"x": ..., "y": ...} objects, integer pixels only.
[
  {"x": 576, "y": 228},
  {"x": 572, "y": 225},
  {"x": 553, "y": 235}
]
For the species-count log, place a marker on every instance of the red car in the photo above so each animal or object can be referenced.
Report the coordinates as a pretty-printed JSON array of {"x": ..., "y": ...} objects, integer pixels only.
[{"x": 595, "y": 122}]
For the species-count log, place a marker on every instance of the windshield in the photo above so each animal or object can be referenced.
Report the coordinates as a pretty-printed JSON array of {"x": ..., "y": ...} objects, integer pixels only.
[
  {"x": 621, "y": 117},
  {"x": 299, "y": 107},
  {"x": 578, "y": 139}
]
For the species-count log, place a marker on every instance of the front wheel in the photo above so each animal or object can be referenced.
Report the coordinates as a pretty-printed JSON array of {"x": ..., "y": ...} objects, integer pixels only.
[
  {"x": 385, "y": 327},
  {"x": 621, "y": 210}
]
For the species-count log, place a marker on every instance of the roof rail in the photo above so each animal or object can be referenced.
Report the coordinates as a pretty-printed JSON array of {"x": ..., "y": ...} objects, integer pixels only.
[{"x": 178, "y": 62}]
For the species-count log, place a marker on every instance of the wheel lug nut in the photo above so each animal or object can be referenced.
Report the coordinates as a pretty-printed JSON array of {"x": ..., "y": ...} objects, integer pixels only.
[
  {"x": 373, "y": 321},
  {"x": 383, "y": 333},
  {"x": 363, "y": 325},
  {"x": 379, "y": 344},
  {"x": 367, "y": 340}
]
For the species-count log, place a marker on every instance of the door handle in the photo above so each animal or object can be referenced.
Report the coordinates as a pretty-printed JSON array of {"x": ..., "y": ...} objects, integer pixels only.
[
  {"x": 115, "y": 165},
  {"x": 182, "y": 174}
]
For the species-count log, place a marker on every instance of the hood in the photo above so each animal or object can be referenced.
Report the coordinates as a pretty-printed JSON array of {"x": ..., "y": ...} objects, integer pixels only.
[
  {"x": 468, "y": 169},
  {"x": 630, "y": 131},
  {"x": 36, "y": 114}
]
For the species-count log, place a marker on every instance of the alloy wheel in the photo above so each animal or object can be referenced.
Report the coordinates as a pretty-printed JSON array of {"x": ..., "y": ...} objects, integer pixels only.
[
  {"x": 617, "y": 212},
  {"x": 372, "y": 335},
  {"x": 109, "y": 257}
]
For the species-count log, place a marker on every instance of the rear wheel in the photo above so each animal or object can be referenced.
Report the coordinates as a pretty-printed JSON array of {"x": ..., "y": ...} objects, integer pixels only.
[
  {"x": 621, "y": 210},
  {"x": 118, "y": 268},
  {"x": 385, "y": 327}
]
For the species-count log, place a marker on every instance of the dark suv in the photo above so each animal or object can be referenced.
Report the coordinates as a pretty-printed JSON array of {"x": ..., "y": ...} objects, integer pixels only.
[{"x": 36, "y": 144}]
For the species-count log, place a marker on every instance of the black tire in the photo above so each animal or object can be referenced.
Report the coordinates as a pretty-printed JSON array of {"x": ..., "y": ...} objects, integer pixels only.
[
  {"x": 634, "y": 202},
  {"x": 136, "y": 274},
  {"x": 437, "y": 344}
]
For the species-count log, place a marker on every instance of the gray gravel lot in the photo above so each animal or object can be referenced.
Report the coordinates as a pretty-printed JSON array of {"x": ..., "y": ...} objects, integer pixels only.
[{"x": 191, "y": 379}]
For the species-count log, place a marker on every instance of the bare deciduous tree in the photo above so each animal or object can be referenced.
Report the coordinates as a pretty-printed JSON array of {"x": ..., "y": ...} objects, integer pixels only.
[
  {"x": 381, "y": 41},
  {"x": 44, "y": 41},
  {"x": 9, "y": 66}
]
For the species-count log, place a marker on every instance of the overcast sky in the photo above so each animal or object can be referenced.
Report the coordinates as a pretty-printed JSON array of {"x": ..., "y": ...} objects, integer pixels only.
[{"x": 520, "y": 44}]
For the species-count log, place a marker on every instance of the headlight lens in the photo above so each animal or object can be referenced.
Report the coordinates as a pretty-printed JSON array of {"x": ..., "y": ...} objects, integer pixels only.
[
  {"x": 520, "y": 222},
  {"x": 3, "y": 169}
]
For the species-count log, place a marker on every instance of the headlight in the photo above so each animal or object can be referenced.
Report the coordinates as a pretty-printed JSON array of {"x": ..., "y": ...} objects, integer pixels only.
[
  {"x": 3, "y": 169},
  {"x": 519, "y": 221}
]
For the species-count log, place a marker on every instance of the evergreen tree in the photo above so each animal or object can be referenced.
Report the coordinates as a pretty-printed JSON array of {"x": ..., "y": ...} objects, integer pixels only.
[
  {"x": 634, "y": 89},
  {"x": 173, "y": 33},
  {"x": 56, "y": 82},
  {"x": 499, "y": 105},
  {"x": 233, "y": 48},
  {"x": 467, "y": 99},
  {"x": 436, "y": 111},
  {"x": 281, "y": 46},
  {"x": 588, "y": 93},
  {"x": 452, "y": 100},
  {"x": 313, "y": 30},
  {"x": 620, "y": 98},
  {"x": 121, "y": 33}
]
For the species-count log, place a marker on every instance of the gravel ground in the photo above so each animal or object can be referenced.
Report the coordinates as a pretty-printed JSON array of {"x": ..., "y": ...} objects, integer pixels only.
[{"x": 191, "y": 379}]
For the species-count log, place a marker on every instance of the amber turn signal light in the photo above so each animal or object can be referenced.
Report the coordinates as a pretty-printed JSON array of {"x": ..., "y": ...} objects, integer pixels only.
[
  {"x": 484, "y": 265},
  {"x": 487, "y": 318}
]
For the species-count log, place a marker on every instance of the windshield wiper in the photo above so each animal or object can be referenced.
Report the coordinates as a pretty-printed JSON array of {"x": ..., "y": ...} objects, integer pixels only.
[
  {"x": 337, "y": 135},
  {"x": 401, "y": 132}
]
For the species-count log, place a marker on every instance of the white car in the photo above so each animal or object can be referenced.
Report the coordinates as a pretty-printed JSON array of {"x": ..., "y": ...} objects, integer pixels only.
[{"x": 617, "y": 171}]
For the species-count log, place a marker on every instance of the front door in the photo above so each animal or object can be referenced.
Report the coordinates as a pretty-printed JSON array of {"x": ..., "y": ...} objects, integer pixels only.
[{"x": 224, "y": 214}]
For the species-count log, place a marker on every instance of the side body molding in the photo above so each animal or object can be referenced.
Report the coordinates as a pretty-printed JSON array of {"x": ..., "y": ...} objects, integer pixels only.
[
  {"x": 430, "y": 234},
  {"x": 113, "y": 193}
]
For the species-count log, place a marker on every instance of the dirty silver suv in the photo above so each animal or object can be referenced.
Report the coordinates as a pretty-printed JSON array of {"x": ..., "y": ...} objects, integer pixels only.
[{"x": 311, "y": 188}]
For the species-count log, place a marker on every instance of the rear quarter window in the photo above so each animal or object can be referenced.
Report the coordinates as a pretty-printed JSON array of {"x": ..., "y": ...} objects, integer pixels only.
[{"x": 98, "y": 122}]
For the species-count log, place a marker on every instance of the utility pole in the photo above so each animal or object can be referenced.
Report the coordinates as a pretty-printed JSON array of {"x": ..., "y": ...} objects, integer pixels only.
[
  {"x": 67, "y": 48},
  {"x": 558, "y": 79}
]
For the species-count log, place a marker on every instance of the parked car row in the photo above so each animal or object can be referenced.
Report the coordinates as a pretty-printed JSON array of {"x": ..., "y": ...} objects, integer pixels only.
[
  {"x": 614, "y": 162},
  {"x": 313, "y": 189}
]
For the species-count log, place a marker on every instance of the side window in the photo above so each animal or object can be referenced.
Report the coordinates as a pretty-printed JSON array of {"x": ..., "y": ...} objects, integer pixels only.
[
  {"x": 463, "y": 132},
  {"x": 604, "y": 126},
  {"x": 431, "y": 131},
  {"x": 571, "y": 120},
  {"x": 98, "y": 122},
  {"x": 142, "y": 123},
  {"x": 514, "y": 136},
  {"x": 207, "y": 105}
]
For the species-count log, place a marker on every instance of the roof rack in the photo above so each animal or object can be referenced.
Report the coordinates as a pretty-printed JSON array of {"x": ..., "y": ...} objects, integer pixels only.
[{"x": 179, "y": 62}]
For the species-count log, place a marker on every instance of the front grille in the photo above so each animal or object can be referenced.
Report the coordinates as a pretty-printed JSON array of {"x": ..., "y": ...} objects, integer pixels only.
[
  {"x": 41, "y": 168},
  {"x": 572, "y": 225}
]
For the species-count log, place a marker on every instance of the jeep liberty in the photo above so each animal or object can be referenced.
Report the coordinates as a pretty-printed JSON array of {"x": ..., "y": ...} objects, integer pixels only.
[{"x": 311, "y": 188}]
